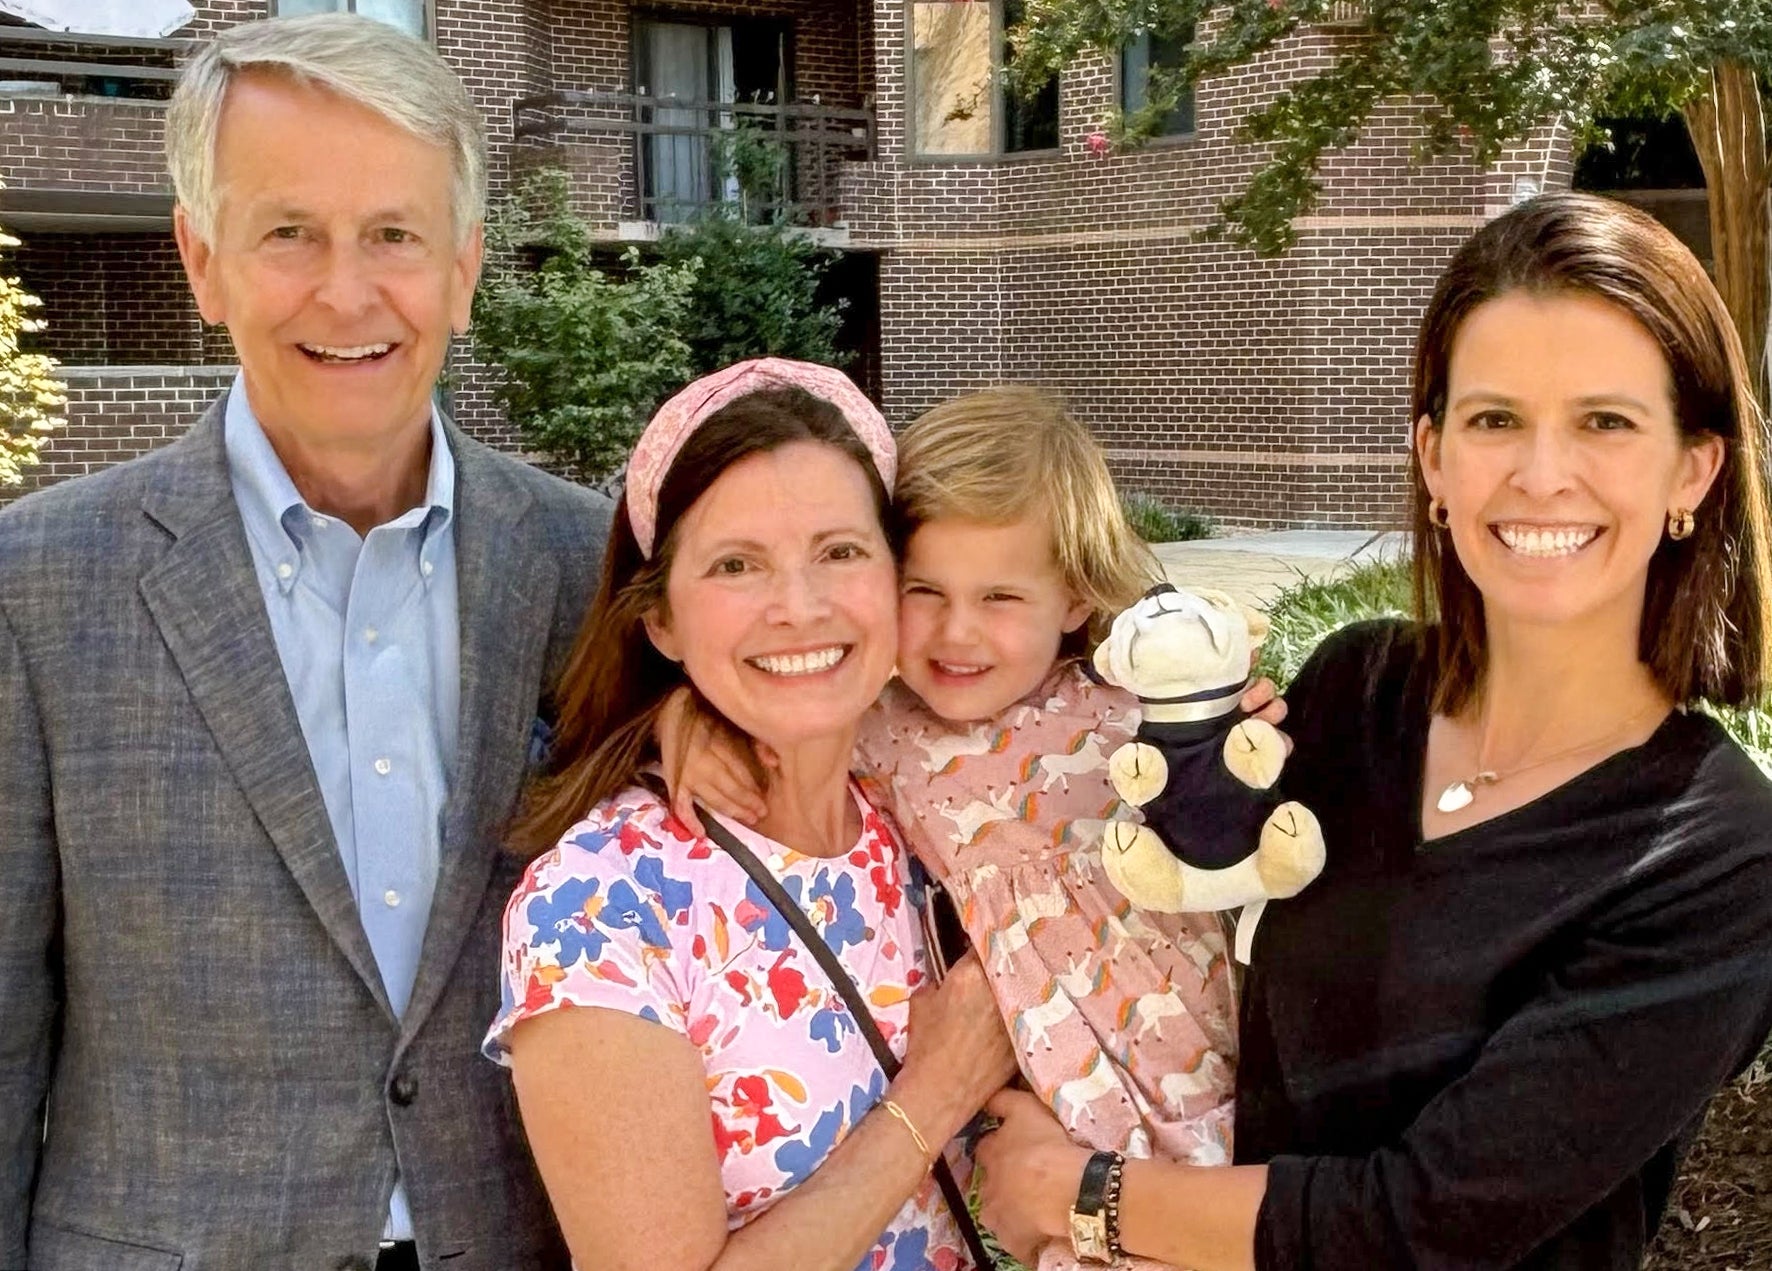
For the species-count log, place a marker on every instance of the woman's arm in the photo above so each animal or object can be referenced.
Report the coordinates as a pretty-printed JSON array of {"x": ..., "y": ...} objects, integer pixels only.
[
  {"x": 1032, "y": 1170},
  {"x": 1617, "y": 1052},
  {"x": 617, "y": 1114}
]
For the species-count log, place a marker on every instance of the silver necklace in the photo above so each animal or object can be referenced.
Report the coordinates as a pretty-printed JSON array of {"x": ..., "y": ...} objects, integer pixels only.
[{"x": 1459, "y": 794}]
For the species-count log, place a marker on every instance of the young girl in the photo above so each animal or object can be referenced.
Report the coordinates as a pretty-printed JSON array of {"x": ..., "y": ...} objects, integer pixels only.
[{"x": 991, "y": 749}]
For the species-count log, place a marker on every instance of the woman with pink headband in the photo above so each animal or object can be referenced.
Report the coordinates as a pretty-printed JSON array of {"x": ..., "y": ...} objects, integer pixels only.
[{"x": 708, "y": 1077}]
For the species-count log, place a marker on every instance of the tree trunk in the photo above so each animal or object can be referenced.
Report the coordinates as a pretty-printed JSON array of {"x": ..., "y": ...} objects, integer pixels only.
[{"x": 1728, "y": 130}]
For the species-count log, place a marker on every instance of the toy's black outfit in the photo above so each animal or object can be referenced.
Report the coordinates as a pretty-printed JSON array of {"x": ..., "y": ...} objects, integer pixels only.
[
  {"x": 1205, "y": 816},
  {"x": 1484, "y": 1051}
]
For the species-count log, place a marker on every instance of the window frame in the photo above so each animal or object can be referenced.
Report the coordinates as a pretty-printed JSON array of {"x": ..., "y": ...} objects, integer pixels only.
[
  {"x": 999, "y": 116},
  {"x": 1160, "y": 138},
  {"x": 428, "y": 8}
]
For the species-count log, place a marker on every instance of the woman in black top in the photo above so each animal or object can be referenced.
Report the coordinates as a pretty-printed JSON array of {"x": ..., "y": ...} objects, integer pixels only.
[{"x": 1544, "y": 935}]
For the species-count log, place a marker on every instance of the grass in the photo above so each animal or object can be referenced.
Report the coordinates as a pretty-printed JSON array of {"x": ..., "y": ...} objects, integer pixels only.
[{"x": 1157, "y": 522}]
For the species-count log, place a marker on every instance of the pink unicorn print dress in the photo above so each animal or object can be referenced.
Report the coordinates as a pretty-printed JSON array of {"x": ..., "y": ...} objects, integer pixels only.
[{"x": 1124, "y": 1021}]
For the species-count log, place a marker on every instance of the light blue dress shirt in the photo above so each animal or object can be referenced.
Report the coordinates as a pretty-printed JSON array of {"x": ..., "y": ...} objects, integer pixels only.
[{"x": 369, "y": 637}]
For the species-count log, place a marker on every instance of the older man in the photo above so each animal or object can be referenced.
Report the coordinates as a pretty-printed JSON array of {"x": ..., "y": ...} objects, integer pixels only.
[{"x": 265, "y": 697}]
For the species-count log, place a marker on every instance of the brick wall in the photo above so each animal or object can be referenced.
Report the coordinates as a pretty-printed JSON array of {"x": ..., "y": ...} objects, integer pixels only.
[
  {"x": 119, "y": 412},
  {"x": 1262, "y": 391},
  {"x": 115, "y": 300}
]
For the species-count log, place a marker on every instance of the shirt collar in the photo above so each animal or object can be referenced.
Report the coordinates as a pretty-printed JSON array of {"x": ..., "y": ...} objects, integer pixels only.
[{"x": 267, "y": 496}]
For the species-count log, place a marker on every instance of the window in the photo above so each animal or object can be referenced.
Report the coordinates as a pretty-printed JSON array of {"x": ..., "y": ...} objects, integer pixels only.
[
  {"x": 959, "y": 105},
  {"x": 744, "y": 60},
  {"x": 1136, "y": 62},
  {"x": 408, "y": 15}
]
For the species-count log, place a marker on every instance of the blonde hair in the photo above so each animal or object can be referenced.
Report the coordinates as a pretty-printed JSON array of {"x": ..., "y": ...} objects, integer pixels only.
[
  {"x": 1012, "y": 451},
  {"x": 369, "y": 62}
]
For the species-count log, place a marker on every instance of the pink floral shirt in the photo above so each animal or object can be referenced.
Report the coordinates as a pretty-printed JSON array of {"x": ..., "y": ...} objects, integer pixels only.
[{"x": 632, "y": 913}]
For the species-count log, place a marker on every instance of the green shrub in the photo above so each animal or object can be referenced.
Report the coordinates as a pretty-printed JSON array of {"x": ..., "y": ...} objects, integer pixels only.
[
  {"x": 585, "y": 357},
  {"x": 1156, "y": 522},
  {"x": 755, "y": 292}
]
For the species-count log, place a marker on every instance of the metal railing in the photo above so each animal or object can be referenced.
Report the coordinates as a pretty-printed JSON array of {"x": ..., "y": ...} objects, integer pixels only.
[
  {"x": 678, "y": 144},
  {"x": 116, "y": 59},
  {"x": 1347, "y": 15}
]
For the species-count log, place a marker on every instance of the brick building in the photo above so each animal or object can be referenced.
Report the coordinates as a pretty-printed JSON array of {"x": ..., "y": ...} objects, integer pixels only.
[{"x": 994, "y": 244}]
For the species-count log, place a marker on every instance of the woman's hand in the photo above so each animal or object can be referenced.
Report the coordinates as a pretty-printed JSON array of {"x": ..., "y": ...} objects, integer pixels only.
[
  {"x": 1262, "y": 700},
  {"x": 1031, "y": 1172},
  {"x": 958, "y": 1052},
  {"x": 704, "y": 759}
]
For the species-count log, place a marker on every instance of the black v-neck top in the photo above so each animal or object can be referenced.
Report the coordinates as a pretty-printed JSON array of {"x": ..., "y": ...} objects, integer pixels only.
[{"x": 1485, "y": 1051}]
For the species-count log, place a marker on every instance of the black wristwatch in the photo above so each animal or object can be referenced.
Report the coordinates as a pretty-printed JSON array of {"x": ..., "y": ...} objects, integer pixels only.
[{"x": 1095, "y": 1218}]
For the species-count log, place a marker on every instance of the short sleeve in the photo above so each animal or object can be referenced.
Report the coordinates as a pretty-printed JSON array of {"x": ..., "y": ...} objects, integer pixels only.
[{"x": 595, "y": 922}]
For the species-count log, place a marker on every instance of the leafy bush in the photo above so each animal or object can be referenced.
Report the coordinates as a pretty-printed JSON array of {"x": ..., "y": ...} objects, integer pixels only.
[
  {"x": 1156, "y": 522},
  {"x": 755, "y": 292},
  {"x": 586, "y": 354},
  {"x": 585, "y": 357}
]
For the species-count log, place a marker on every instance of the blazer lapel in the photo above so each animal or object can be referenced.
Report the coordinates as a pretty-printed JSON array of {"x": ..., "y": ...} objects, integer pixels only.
[
  {"x": 205, "y": 599},
  {"x": 506, "y": 584}
]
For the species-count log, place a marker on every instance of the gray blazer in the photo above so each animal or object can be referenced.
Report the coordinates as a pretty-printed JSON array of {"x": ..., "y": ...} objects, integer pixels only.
[{"x": 185, "y": 989}]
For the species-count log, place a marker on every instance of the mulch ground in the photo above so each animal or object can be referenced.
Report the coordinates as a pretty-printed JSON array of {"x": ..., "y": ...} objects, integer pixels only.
[{"x": 1720, "y": 1217}]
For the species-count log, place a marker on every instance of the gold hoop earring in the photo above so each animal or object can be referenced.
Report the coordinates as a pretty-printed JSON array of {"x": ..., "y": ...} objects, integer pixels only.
[
  {"x": 1681, "y": 523},
  {"x": 1438, "y": 515}
]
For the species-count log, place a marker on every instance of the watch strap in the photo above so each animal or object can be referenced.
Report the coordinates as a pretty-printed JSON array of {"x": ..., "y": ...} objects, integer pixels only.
[{"x": 1092, "y": 1191}]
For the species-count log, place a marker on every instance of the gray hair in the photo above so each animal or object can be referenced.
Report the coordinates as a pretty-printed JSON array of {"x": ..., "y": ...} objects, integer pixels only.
[{"x": 368, "y": 62}]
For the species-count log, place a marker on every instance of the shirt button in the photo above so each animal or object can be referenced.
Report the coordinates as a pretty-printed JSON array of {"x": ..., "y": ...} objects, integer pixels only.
[
  {"x": 318, "y": 522},
  {"x": 383, "y": 767},
  {"x": 370, "y": 635},
  {"x": 285, "y": 570},
  {"x": 424, "y": 567},
  {"x": 391, "y": 898}
]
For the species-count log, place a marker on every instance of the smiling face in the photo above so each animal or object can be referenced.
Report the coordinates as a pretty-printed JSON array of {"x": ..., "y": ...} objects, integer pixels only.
[
  {"x": 781, "y": 594},
  {"x": 982, "y": 612},
  {"x": 336, "y": 264},
  {"x": 1560, "y": 458}
]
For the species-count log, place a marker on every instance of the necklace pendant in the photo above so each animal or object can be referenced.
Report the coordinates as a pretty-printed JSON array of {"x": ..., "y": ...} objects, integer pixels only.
[{"x": 1457, "y": 796}]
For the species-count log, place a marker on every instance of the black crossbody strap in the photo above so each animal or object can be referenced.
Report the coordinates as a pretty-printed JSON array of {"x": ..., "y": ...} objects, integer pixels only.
[{"x": 785, "y": 905}]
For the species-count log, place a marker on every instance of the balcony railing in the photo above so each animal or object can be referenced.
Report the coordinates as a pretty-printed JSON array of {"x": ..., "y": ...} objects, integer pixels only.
[
  {"x": 108, "y": 65},
  {"x": 1347, "y": 15},
  {"x": 683, "y": 149}
]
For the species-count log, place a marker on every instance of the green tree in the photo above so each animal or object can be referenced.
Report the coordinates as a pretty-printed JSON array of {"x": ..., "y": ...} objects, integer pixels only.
[
  {"x": 585, "y": 357},
  {"x": 1479, "y": 75},
  {"x": 30, "y": 395}
]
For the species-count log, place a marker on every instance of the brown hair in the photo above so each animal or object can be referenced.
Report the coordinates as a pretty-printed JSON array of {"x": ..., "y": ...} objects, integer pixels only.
[
  {"x": 1004, "y": 453},
  {"x": 615, "y": 679},
  {"x": 1705, "y": 630}
]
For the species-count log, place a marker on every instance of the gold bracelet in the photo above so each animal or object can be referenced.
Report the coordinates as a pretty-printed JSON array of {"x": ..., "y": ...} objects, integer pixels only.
[{"x": 904, "y": 1119}]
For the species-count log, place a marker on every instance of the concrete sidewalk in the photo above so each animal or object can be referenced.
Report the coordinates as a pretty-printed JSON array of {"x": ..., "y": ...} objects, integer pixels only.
[{"x": 1257, "y": 567}]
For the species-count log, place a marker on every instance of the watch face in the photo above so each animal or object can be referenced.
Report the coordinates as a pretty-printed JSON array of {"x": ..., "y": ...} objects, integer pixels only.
[{"x": 1089, "y": 1236}]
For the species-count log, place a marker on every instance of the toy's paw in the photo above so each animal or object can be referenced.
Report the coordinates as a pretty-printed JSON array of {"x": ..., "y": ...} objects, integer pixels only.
[
  {"x": 1138, "y": 772},
  {"x": 1255, "y": 752},
  {"x": 1291, "y": 852},
  {"x": 1141, "y": 868}
]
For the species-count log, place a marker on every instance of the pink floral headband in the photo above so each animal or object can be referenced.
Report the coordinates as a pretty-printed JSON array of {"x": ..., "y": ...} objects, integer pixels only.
[{"x": 676, "y": 421}]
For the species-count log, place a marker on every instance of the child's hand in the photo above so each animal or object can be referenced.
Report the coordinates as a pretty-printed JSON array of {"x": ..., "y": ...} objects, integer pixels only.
[
  {"x": 704, "y": 759},
  {"x": 1262, "y": 700}
]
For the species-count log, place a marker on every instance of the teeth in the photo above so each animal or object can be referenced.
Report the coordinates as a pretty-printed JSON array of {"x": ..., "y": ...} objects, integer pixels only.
[
  {"x": 959, "y": 668},
  {"x": 800, "y": 663},
  {"x": 1534, "y": 541},
  {"x": 354, "y": 353}
]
